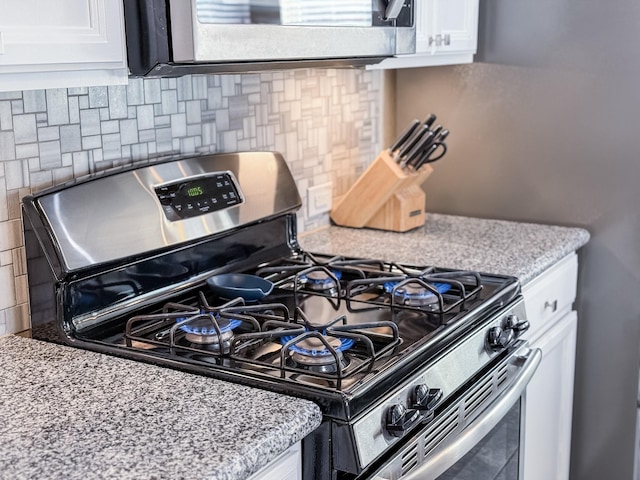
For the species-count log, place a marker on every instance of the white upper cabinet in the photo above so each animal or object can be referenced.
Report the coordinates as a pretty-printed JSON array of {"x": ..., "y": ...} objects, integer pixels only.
[
  {"x": 62, "y": 43},
  {"x": 446, "y": 34},
  {"x": 447, "y": 27}
]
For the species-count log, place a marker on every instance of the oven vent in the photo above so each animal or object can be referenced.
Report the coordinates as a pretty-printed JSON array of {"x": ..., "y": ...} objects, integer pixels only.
[
  {"x": 440, "y": 430},
  {"x": 502, "y": 375},
  {"x": 475, "y": 399},
  {"x": 409, "y": 460}
]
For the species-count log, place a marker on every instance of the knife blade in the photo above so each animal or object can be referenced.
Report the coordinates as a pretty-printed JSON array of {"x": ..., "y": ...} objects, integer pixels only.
[{"x": 404, "y": 135}]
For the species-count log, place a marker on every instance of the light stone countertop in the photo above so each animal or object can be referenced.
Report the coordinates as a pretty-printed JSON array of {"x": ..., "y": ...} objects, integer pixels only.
[
  {"x": 67, "y": 413},
  {"x": 523, "y": 250}
]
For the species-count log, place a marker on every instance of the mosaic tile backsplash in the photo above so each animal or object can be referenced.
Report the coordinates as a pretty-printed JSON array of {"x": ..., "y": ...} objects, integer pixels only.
[{"x": 324, "y": 122}]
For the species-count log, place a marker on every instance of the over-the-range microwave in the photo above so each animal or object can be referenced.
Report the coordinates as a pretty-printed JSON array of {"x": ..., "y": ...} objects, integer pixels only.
[{"x": 176, "y": 37}]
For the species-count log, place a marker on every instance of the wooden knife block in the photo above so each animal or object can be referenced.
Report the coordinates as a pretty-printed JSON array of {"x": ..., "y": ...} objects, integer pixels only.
[{"x": 385, "y": 197}]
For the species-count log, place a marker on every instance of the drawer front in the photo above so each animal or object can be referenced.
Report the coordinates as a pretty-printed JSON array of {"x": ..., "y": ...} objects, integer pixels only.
[{"x": 551, "y": 295}]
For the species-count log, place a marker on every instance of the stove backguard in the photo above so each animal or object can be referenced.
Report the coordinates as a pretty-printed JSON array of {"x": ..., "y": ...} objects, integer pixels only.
[
  {"x": 115, "y": 241},
  {"x": 131, "y": 213},
  {"x": 83, "y": 303}
]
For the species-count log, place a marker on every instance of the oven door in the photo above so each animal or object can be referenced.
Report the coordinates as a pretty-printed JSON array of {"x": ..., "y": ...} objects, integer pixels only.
[{"x": 484, "y": 444}]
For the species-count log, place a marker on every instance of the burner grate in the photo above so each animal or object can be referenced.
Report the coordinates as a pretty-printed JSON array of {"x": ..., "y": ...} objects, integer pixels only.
[
  {"x": 238, "y": 334},
  {"x": 368, "y": 283},
  {"x": 362, "y": 351}
]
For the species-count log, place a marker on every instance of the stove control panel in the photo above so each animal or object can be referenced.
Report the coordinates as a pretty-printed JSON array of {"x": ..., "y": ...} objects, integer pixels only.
[
  {"x": 198, "y": 195},
  {"x": 417, "y": 402}
]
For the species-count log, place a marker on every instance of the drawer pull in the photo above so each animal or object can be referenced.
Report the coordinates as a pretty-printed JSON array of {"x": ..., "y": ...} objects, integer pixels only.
[{"x": 552, "y": 305}]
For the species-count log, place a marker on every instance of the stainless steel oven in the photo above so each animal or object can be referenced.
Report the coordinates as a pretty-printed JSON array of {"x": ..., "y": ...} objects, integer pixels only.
[
  {"x": 193, "y": 263},
  {"x": 462, "y": 444},
  {"x": 174, "y": 37}
]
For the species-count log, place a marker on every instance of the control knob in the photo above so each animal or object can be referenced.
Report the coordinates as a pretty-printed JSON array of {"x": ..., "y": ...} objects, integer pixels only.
[
  {"x": 400, "y": 419},
  {"x": 499, "y": 338},
  {"x": 512, "y": 322},
  {"x": 425, "y": 400}
]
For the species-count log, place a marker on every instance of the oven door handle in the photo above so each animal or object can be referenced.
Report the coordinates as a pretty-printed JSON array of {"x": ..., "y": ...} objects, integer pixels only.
[{"x": 447, "y": 455}]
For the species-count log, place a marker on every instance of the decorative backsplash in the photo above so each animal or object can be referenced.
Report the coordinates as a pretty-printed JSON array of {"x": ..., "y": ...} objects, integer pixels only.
[{"x": 324, "y": 122}]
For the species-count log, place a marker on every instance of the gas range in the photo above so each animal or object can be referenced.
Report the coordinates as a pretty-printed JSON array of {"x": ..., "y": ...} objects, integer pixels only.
[{"x": 161, "y": 274}]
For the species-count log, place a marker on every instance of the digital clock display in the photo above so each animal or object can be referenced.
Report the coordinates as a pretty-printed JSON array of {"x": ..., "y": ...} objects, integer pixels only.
[
  {"x": 198, "y": 196},
  {"x": 195, "y": 191}
]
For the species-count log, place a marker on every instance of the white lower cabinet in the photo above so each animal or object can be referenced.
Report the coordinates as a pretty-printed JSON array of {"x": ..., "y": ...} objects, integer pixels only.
[
  {"x": 549, "y": 397},
  {"x": 287, "y": 466},
  {"x": 549, "y": 404}
]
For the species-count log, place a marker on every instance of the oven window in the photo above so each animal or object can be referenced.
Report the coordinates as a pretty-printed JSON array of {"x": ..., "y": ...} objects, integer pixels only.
[{"x": 496, "y": 457}]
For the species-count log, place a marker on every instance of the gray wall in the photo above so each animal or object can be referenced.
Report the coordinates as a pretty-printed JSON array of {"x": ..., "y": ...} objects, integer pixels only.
[{"x": 546, "y": 128}]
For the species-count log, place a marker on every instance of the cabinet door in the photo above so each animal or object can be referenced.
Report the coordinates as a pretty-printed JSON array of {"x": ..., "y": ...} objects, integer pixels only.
[
  {"x": 41, "y": 36},
  {"x": 446, "y": 34},
  {"x": 455, "y": 26},
  {"x": 446, "y": 26},
  {"x": 549, "y": 404}
]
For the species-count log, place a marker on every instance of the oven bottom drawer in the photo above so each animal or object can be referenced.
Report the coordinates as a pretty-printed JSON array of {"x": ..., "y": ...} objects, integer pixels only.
[{"x": 490, "y": 408}]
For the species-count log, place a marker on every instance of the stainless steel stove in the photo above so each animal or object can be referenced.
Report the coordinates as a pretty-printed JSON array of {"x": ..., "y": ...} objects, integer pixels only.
[{"x": 193, "y": 263}]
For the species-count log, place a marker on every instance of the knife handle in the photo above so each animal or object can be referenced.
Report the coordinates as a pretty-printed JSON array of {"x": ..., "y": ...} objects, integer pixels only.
[
  {"x": 404, "y": 135},
  {"x": 430, "y": 138},
  {"x": 426, "y": 155},
  {"x": 414, "y": 155},
  {"x": 409, "y": 144},
  {"x": 443, "y": 134},
  {"x": 430, "y": 119}
]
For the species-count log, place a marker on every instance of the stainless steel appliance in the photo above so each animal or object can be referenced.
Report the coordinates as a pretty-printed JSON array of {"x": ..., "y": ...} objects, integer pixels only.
[
  {"x": 169, "y": 38},
  {"x": 194, "y": 263}
]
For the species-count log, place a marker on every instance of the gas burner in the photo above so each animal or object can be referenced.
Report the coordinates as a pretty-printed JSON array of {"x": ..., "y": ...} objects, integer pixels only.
[
  {"x": 201, "y": 330},
  {"x": 312, "y": 354},
  {"x": 415, "y": 294},
  {"x": 320, "y": 280}
]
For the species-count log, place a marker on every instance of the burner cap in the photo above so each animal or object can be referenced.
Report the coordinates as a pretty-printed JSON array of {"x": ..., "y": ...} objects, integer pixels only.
[
  {"x": 414, "y": 294},
  {"x": 202, "y": 331},
  {"x": 320, "y": 280},
  {"x": 312, "y": 354}
]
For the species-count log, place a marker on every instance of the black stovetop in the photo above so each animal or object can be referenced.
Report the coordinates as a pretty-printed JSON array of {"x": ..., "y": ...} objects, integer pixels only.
[{"x": 349, "y": 339}]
